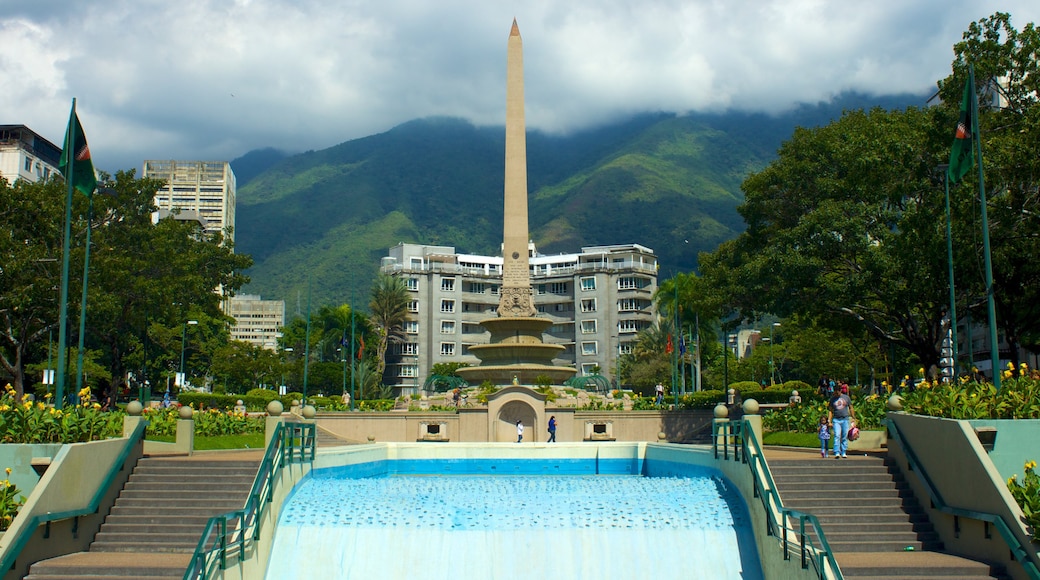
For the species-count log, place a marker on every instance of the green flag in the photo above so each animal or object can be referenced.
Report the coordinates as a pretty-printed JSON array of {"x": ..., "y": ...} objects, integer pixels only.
[
  {"x": 76, "y": 154},
  {"x": 962, "y": 151}
]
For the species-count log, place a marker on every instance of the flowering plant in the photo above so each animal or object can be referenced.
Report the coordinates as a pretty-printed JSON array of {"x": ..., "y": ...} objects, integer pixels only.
[
  {"x": 11, "y": 500},
  {"x": 1027, "y": 494}
]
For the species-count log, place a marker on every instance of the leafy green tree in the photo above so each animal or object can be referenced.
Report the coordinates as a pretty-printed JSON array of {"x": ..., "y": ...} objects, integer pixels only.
[
  {"x": 1011, "y": 138},
  {"x": 30, "y": 272},
  {"x": 389, "y": 307},
  {"x": 240, "y": 366},
  {"x": 184, "y": 274},
  {"x": 846, "y": 227}
]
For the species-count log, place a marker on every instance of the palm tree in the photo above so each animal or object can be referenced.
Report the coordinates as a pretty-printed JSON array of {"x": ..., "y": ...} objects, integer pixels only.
[{"x": 389, "y": 306}]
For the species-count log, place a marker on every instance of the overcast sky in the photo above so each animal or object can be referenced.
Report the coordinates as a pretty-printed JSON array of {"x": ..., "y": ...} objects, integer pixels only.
[{"x": 213, "y": 79}]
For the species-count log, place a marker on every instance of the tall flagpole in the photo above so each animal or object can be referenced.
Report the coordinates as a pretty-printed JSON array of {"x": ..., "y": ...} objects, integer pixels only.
[
  {"x": 990, "y": 302},
  {"x": 70, "y": 140},
  {"x": 949, "y": 263},
  {"x": 83, "y": 300}
]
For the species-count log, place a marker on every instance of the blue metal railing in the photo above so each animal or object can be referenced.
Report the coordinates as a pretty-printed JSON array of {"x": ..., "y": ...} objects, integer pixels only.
[
  {"x": 791, "y": 522},
  {"x": 1017, "y": 549},
  {"x": 232, "y": 533}
]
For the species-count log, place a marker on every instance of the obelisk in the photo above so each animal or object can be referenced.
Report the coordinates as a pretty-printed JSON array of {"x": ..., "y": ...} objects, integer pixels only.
[
  {"x": 516, "y": 352},
  {"x": 516, "y": 298}
]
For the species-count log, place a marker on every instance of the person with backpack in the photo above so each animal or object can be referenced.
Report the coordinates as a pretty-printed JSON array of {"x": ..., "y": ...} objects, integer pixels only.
[{"x": 840, "y": 415}]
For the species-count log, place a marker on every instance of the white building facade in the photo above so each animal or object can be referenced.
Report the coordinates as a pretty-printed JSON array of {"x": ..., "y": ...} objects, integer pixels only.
[
  {"x": 599, "y": 300},
  {"x": 257, "y": 321},
  {"x": 206, "y": 188},
  {"x": 24, "y": 154}
]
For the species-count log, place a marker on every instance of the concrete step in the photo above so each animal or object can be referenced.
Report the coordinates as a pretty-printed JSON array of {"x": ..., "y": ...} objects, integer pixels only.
[
  {"x": 106, "y": 565},
  {"x": 915, "y": 564}
]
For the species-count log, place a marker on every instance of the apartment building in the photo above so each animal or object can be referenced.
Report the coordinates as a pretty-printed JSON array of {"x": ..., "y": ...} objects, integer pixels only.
[
  {"x": 206, "y": 188},
  {"x": 257, "y": 321},
  {"x": 24, "y": 154},
  {"x": 598, "y": 299}
]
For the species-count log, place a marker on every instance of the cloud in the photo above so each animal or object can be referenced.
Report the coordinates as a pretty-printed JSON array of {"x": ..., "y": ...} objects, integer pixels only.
[{"x": 212, "y": 79}]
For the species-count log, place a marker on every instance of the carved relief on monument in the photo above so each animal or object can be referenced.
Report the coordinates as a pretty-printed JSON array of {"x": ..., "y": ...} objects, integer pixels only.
[{"x": 516, "y": 302}]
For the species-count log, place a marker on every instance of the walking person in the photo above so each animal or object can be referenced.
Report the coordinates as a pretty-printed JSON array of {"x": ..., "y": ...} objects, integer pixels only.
[
  {"x": 552, "y": 429},
  {"x": 519, "y": 431},
  {"x": 824, "y": 433},
  {"x": 839, "y": 414},
  {"x": 659, "y": 390}
]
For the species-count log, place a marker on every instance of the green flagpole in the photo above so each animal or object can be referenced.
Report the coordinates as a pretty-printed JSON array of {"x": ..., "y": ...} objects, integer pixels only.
[
  {"x": 353, "y": 357},
  {"x": 949, "y": 264},
  {"x": 63, "y": 300},
  {"x": 83, "y": 300},
  {"x": 990, "y": 302},
  {"x": 307, "y": 346}
]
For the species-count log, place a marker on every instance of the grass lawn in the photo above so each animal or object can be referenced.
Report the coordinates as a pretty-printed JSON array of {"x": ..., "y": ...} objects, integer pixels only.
[
  {"x": 250, "y": 441},
  {"x": 790, "y": 439}
]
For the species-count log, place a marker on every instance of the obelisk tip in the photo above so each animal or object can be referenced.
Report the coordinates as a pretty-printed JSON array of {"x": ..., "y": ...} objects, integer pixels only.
[{"x": 516, "y": 29}]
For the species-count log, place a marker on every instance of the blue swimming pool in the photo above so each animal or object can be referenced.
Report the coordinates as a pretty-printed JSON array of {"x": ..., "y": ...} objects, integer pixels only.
[{"x": 514, "y": 518}]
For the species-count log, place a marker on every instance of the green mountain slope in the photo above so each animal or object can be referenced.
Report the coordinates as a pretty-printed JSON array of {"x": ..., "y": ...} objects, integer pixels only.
[{"x": 323, "y": 219}]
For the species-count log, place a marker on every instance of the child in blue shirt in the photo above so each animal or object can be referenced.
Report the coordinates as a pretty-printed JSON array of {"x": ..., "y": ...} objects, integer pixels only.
[{"x": 825, "y": 434}]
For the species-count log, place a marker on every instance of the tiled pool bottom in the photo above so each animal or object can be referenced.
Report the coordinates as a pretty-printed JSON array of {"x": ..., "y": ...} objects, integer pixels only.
[{"x": 506, "y": 526}]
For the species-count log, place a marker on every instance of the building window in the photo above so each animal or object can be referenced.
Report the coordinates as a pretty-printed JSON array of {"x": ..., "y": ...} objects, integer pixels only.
[
  {"x": 408, "y": 371},
  {"x": 494, "y": 289},
  {"x": 588, "y": 283},
  {"x": 447, "y": 327},
  {"x": 411, "y": 326},
  {"x": 447, "y": 349},
  {"x": 541, "y": 288},
  {"x": 448, "y": 306},
  {"x": 447, "y": 284},
  {"x": 628, "y": 305},
  {"x": 28, "y": 164},
  {"x": 558, "y": 288},
  {"x": 477, "y": 287},
  {"x": 407, "y": 348},
  {"x": 627, "y": 326},
  {"x": 589, "y": 348},
  {"x": 413, "y": 306},
  {"x": 626, "y": 348},
  {"x": 588, "y": 368},
  {"x": 412, "y": 284},
  {"x": 627, "y": 284},
  {"x": 588, "y": 305},
  {"x": 588, "y": 326}
]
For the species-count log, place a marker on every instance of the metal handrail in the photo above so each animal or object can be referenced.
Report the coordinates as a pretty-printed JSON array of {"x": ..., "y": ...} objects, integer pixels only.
[
  {"x": 746, "y": 449},
  {"x": 1014, "y": 545},
  {"x": 290, "y": 443},
  {"x": 19, "y": 542}
]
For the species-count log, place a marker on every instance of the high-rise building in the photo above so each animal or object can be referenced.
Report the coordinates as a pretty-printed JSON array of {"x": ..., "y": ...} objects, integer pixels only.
[
  {"x": 599, "y": 300},
  {"x": 24, "y": 154},
  {"x": 257, "y": 321},
  {"x": 206, "y": 188}
]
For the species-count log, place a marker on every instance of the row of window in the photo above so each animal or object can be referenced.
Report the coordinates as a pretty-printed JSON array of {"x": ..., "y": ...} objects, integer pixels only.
[
  {"x": 588, "y": 284},
  {"x": 587, "y": 305},
  {"x": 588, "y": 348}
]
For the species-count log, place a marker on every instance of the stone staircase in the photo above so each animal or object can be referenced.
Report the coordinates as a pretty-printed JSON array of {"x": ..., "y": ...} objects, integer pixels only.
[
  {"x": 158, "y": 518},
  {"x": 873, "y": 523}
]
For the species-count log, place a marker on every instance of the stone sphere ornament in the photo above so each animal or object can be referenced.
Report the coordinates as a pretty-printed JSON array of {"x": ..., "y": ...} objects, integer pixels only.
[
  {"x": 750, "y": 407},
  {"x": 134, "y": 408},
  {"x": 895, "y": 403},
  {"x": 309, "y": 412},
  {"x": 275, "y": 408},
  {"x": 721, "y": 412},
  {"x": 184, "y": 412}
]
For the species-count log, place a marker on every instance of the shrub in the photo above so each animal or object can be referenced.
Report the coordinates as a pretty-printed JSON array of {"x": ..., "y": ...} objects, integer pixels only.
[{"x": 25, "y": 421}]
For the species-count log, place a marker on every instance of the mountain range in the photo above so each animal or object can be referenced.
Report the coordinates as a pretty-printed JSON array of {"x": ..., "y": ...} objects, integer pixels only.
[{"x": 317, "y": 223}]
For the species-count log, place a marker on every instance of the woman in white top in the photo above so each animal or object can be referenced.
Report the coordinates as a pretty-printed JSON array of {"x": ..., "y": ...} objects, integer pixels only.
[{"x": 519, "y": 431}]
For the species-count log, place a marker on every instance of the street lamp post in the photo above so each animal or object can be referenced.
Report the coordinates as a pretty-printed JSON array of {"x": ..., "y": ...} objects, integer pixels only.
[
  {"x": 772, "y": 374},
  {"x": 184, "y": 344}
]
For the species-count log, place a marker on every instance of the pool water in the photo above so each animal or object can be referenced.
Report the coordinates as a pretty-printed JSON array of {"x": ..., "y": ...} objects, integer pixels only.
[{"x": 514, "y": 526}]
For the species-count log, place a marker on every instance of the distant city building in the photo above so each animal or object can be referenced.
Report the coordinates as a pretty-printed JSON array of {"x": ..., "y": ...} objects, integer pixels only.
[
  {"x": 599, "y": 300},
  {"x": 257, "y": 321},
  {"x": 24, "y": 154},
  {"x": 206, "y": 188}
]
